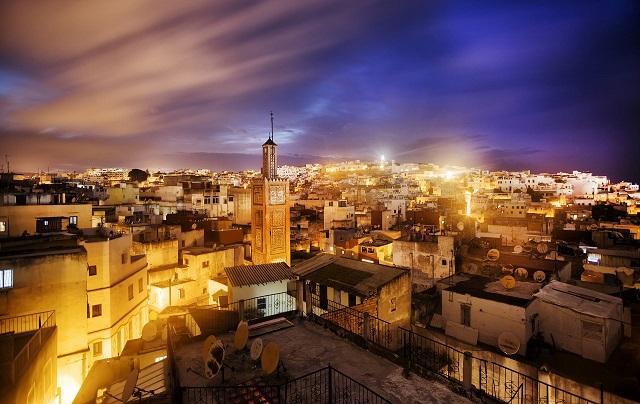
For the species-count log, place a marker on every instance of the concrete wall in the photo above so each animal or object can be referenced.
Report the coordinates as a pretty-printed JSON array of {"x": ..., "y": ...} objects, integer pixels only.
[
  {"x": 21, "y": 218},
  {"x": 394, "y": 301},
  {"x": 490, "y": 318},
  {"x": 158, "y": 252},
  {"x": 434, "y": 260},
  {"x": 248, "y": 292}
]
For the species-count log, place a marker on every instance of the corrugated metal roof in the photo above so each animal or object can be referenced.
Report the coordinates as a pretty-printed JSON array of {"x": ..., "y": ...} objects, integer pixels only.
[
  {"x": 245, "y": 275},
  {"x": 312, "y": 264},
  {"x": 360, "y": 278},
  {"x": 581, "y": 300}
]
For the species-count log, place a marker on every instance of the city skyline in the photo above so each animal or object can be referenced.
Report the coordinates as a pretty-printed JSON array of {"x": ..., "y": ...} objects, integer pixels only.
[{"x": 499, "y": 86}]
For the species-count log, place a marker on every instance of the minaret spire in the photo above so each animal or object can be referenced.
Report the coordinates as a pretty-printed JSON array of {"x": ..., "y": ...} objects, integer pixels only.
[{"x": 271, "y": 137}]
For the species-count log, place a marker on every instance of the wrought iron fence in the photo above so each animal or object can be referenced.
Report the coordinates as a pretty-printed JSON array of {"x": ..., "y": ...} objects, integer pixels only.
[
  {"x": 432, "y": 355},
  {"x": 268, "y": 305},
  {"x": 326, "y": 385},
  {"x": 508, "y": 385}
]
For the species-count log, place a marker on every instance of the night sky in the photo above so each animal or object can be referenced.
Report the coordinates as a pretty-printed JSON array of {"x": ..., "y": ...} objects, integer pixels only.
[{"x": 542, "y": 85}]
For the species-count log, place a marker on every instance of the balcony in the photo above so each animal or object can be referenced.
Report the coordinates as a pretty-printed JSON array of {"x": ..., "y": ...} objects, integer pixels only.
[{"x": 21, "y": 339}]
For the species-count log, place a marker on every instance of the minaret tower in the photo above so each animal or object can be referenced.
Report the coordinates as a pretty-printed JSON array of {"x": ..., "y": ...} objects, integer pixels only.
[{"x": 270, "y": 210}]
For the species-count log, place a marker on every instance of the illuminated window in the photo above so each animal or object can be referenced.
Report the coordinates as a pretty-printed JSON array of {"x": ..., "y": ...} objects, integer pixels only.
[
  {"x": 73, "y": 220},
  {"x": 96, "y": 310},
  {"x": 262, "y": 303},
  {"x": 97, "y": 348},
  {"x": 130, "y": 289},
  {"x": 93, "y": 270},
  {"x": 3, "y": 227},
  {"x": 140, "y": 285},
  {"x": 6, "y": 278}
]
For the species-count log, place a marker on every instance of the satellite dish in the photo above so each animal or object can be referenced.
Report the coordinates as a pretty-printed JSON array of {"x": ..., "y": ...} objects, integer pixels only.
[
  {"x": 508, "y": 343},
  {"x": 507, "y": 269},
  {"x": 194, "y": 226},
  {"x": 215, "y": 357},
  {"x": 521, "y": 272},
  {"x": 256, "y": 348},
  {"x": 472, "y": 268},
  {"x": 508, "y": 282},
  {"x": 149, "y": 331},
  {"x": 129, "y": 385},
  {"x": 527, "y": 248},
  {"x": 539, "y": 276},
  {"x": 542, "y": 248},
  {"x": 517, "y": 249},
  {"x": 270, "y": 357},
  {"x": 207, "y": 346},
  {"x": 460, "y": 226},
  {"x": 593, "y": 227},
  {"x": 241, "y": 337},
  {"x": 493, "y": 254}
]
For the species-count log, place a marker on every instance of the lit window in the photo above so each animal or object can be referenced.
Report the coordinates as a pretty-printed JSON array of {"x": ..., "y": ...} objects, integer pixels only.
[
  {"x": 6, "y": 278},
  {"x": 96, "y": 310},
  {"x": 73, "y": 220},
  {"x": 3, "y": 227},
  {"x": 262, "y": 303},
  {"x": 130, "y": 289},
  {"x": 97, "y": 348}
]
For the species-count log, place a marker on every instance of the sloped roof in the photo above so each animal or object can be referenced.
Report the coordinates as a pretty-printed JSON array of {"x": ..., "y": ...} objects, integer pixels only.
[
  {"x": 245, "y": 275},
  {"x": 580, "y": 300},
  {"x": 352, "y": 276}
]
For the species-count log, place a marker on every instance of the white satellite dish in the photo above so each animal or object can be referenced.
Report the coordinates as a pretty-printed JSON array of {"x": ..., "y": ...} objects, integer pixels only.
[
  {"x": 493, "y": 254},
  {"x": 129, "y": 385},
  {"x": 539, "y": 276},
  {"x": 270, "y": 357},
  {"x": 517, "y": 248},
  {"x": 256, "y": 348},
  {"x": 521, "y": 272},
  {"x": 460, "y": 226},
  {"x": 542, "y": 248},
  {"x": 149, "y": 331},
  {"x": 508, "y": 343},
  {"x": 215, "y": 358},
  {"x": 472, "y": 268},
  {"x": 508, "y": 281}
]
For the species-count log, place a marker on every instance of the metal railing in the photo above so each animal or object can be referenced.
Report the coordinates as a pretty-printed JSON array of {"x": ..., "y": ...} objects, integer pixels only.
[
  {"x": 432, "y": 355},
  {"x": 326, "y": 385},
  {"x": 28, "y": 322},
  {"x": 43, "y": 324}
]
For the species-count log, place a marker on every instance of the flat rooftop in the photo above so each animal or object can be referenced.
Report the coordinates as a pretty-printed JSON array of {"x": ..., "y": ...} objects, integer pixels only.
[{"x": 305, "y": 348}]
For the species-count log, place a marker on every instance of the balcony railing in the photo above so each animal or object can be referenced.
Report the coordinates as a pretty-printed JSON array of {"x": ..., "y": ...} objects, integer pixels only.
[{"x": 43, "y": 323}]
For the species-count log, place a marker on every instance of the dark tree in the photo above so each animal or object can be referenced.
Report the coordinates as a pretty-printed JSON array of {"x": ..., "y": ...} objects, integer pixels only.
[{"x": 138, "y": 175}]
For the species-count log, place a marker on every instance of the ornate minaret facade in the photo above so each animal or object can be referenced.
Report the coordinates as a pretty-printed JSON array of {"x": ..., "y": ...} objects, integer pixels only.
[{"x": 270, "y": 210}]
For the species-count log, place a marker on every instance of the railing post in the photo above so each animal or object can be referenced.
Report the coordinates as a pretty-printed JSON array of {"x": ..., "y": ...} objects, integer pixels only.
[
  {"x": 300, "y": 297},
  {"x": 309, "y": 299},
  {"x": 241, "y": 309},
  {"x": 367, "y": 329},
  {"x": 330, "y": 384},
  {"x": 466, "y": 370}
]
